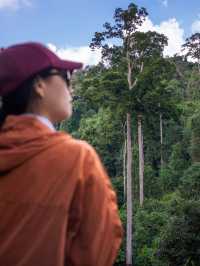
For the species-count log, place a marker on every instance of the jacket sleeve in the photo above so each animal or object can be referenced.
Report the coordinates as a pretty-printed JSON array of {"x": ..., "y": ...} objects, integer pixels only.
[{"x": 95, "y": 229}]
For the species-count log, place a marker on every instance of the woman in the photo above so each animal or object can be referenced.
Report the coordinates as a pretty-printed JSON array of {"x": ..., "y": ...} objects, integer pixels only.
[{"x": 57, "y": 206}]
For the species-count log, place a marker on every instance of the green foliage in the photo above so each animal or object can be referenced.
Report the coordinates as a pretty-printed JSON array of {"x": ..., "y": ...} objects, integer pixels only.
[
  {"x": 152, "y": 94},
  {"x": 173, "y": 171},
  {"x": 192, "y": 90},
  {"x": 121, "y": 258},
  {"x": 190, "y": 183},
  {"x": 168, "y": 223},
  {"x": 80, "y": 109},
  {"x": 151, "y": 183},
  {"x": 105, "y": 133},
  {"x": 192, "y": 46},
  {"x": 118, "y": 184},
  {"x": 150, "y": 221},
  {"x": 181, "y": 239},
  {"x": 166, "y": 229},
  {"x": 195, "y": 141}
]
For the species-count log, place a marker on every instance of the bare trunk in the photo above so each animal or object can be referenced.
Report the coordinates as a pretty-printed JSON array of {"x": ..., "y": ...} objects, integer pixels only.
[
  {"x": 129, "y": 72},
  {"x": 141, "y": 160},
  {"x": 161, "y": 141},
  {"x": 129, "y": 194},
  {"x": 124, "y": 167},
  {"x": 136, "y": 80},
  {"x": 129, "y": 175}
]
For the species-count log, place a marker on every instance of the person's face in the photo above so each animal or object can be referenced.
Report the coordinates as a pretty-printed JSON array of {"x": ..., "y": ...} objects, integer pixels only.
[{"x": 56, "y": 98}]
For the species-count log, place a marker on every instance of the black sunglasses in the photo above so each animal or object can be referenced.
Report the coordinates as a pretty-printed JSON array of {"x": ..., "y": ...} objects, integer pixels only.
[{"x": 62, "y": 73}]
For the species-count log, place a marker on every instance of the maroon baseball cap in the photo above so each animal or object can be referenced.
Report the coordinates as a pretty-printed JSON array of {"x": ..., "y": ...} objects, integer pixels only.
[{"x": 20, "y": 62}]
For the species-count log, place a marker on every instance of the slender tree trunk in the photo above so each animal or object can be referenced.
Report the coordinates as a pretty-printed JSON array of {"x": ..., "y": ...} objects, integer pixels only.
[
  {"x": 161, "y": 141},
  {"x": 129, "y": 195},
  {"x": 141, "y": 159},
  {"x": 124, "y": 166}
]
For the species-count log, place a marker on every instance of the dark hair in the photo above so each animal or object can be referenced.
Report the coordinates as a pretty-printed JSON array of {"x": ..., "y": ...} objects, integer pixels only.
[{"x": 16, "y": 102}]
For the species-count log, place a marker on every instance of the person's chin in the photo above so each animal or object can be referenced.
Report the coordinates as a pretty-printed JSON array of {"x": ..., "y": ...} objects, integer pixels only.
[
  {"x": 68, "y": 114},
  {"x": 63, "y": 116}
]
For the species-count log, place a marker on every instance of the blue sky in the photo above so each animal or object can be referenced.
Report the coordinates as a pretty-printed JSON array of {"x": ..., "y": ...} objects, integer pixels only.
[{"x": 68, "y": 26}]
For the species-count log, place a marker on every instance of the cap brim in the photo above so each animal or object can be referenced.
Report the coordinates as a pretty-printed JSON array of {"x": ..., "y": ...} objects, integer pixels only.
[{"x": 70, "y": 65}]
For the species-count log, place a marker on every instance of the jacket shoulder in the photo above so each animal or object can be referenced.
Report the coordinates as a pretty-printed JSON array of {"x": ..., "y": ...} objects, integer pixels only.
[{"x": 67, "y": 145}]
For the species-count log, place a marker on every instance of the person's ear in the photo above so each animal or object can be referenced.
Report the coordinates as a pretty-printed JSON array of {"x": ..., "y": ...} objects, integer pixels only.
[{"x": 39, "y": 87}]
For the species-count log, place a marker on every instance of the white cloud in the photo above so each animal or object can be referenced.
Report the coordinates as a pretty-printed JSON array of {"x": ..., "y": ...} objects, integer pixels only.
[
  {"x": 170, "y": 28},
  {"x": 14, "y": 4},
  {"x": 81, "y": 54},
  {"x": 195, "y": 26},
  {"x": 165, "y": 3}
]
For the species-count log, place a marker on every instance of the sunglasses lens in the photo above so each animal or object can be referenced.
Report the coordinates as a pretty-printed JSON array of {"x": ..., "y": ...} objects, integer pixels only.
[
  {"x": 65, "y": 77},
  {"x": 63, "y": 74}
]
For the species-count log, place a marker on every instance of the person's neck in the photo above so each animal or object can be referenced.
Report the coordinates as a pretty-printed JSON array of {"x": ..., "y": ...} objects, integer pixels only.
[
  {"x": 36, "y": 110},
  {"x": 43, "y": 119}
]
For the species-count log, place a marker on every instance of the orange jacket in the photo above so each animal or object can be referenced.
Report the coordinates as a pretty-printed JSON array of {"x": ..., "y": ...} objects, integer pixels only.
[{"x": 57, "y": 205}]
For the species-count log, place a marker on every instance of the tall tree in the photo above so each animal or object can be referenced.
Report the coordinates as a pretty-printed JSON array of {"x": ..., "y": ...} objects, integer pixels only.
[
  {"x": 126, "y": 23},
  {"x": 147, "y": 47},
  {"x": 195, "y": 140},
  {"x": 136, "y": 50},
  {"x": 192, "y": 48}
]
